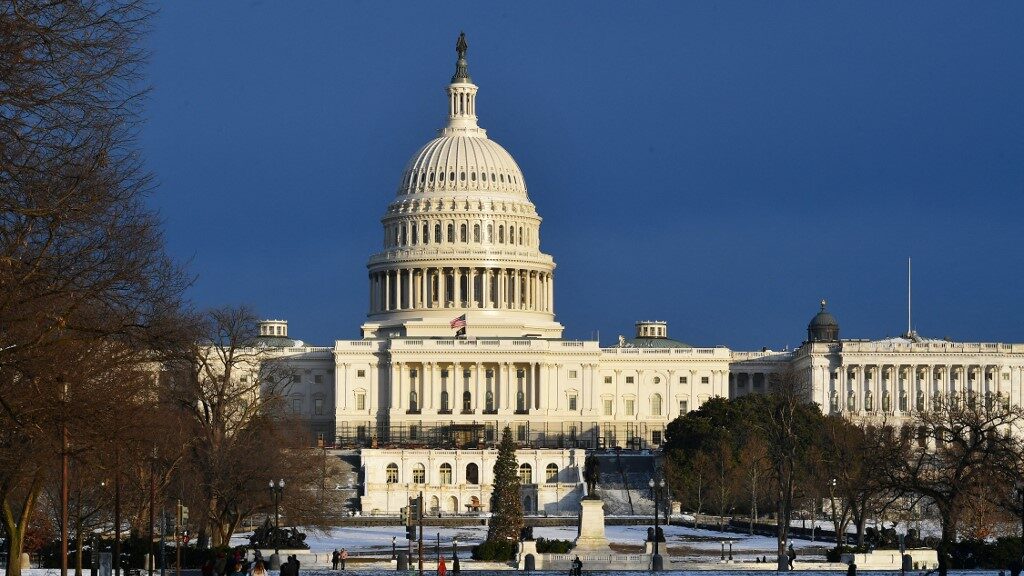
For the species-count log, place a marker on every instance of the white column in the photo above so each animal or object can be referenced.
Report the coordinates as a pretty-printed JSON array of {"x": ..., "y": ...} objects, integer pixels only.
[
  {"x": 487, "y": 287},
  {"x": 477, "y": 374}
]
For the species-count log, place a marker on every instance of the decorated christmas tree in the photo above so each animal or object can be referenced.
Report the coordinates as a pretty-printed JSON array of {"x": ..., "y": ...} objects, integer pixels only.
[{"x": 506, "y": 507}]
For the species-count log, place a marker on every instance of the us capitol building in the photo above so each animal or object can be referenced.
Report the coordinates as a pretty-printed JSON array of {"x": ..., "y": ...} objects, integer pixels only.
[{"x": 461, "y": 341}]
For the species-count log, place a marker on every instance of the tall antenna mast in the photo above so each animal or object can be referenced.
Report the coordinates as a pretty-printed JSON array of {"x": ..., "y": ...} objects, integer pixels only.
[{"x": 909, "y": 325}]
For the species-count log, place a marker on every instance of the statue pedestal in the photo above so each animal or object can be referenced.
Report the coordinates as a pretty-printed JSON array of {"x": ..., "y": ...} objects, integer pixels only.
[{"x": 591, "y": 530}]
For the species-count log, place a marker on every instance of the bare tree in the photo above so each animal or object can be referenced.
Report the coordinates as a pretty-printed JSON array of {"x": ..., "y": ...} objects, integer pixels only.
[
  {"x": 785, "y": 428},
  {"x": 962, "y": 444},
  {"x": 83, "y": 275}
]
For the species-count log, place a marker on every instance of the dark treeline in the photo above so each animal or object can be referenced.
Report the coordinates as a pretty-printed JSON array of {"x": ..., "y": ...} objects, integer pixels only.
[
  {"x": 111, "y": 386},
  {"x": 774, "y": 455}
]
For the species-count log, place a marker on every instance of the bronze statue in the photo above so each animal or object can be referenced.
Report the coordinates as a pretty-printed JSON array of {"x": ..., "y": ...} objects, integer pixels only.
[
  {"x": 591, "y": 474},
  {"x": 461, "y": 46}
]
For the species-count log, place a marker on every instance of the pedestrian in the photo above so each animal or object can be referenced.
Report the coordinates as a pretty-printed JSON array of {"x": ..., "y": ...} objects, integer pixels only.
[
  {"x": 207, "y": 569},
  {"x": 442, "y": 570},
  {"x": 792, "y": 556},
  {"x": 335, "y": 556},
  {"x": 295, "y": 565},
  {"x": 259, "y": 569},
  {"x": 343, "y": 557}
]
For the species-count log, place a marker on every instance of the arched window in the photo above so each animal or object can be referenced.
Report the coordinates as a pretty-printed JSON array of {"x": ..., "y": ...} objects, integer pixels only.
[
  {"x": 476, "y": 233},
  {"x": 451, "y": 232},
  {"x": 413, "y": 401},
  {"x": 511, "y": 234},
  {"x": 426, "y": 234},
  {"x": 525, "y": 474},
  {"x": 415, "y": 234},
  {"x": 446, "y": 473},
  {"x": 444, "y": 400},
  {"x": 419, "y": 474},
  {"x": 437, "y": 233},
  {"x": 501, "y": 234},
  {"x": 472, "y": 473},
  {"x": 521, "y": 241},
  {"x": 401, "y": 234},
  {"x": 489, "y": 399},
  {"x": 392, "y": 474},
  {"x": 551, "y": 472},
  {"x": 462, "y": 233},
  {"x": 656, "y": 405},
  {"x": 490, "y": 232},
  {"x": 467, "y": 401}
]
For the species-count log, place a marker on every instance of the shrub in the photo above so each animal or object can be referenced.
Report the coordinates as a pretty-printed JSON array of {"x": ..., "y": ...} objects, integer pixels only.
[
  {"x": 545, "y": 546},
  {"x": 495, "y": 550}
]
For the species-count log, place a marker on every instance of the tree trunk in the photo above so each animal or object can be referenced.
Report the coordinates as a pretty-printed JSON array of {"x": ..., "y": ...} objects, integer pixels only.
[
  {"x": 16, "y": 527},
  {"x": 79, "y": 538},
  {"x": 946, "y": 543}
]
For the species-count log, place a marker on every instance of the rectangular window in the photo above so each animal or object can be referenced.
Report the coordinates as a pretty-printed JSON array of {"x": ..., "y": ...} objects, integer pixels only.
[
  {"x": 629, "y": 379},
  {"x": 682, "y": 379},
  {"x": 629, "y": 407},
  {"x": 318, "y": 378},
  {"x": 521, "y": 432},
  {"x": 360, "y": 373},
  {"x": 414, "y": 432},
  {"x": 608, "y": 407},
  {"x": 655, "y": 436},
  {"x": 684, "y": 407},
  {"x": 360, "y": 401},
  {"x": 572, "y": 403},
  {"x": 318, "y": 406},
  {"x": 607, "y": 379},
  {"x": 444, "y": 373},
  {"x": 297, "y": 405},
  {"x": 296, "y": 378},
  {"x": 419, "y": 475},
  {"x": 572, "y": 374},
  {"x": 392, "y": 474},
  {"x": 704, "y": 380}
]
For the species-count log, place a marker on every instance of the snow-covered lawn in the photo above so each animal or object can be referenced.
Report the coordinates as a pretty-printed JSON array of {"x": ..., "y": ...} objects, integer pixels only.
[{"x": 377, "y": 539}]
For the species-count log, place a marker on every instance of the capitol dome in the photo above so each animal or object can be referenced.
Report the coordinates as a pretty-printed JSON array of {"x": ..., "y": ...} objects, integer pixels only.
[
  {"x": 461, "y": 253},
  {"x": 458, "y": 160}
]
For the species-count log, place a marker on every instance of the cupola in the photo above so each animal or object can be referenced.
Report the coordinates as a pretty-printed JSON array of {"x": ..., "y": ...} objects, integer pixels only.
[{"x": 823, "y": 327}]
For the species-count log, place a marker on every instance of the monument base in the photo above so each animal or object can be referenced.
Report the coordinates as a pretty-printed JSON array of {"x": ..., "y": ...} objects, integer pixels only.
[{"x": 591, "y": 536}]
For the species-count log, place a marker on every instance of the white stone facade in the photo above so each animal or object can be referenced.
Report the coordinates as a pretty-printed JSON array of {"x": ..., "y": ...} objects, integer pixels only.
[
  {"x": 462, "y": 243},
  {"x": 460, "y": 481}
]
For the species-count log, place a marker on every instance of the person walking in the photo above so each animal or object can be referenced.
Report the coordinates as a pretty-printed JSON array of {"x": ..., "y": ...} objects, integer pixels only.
[
  {"x": 335, "y": 556},
  {"x": 343, "y": 557},
  {"x": 259, "y": 569},
  {"x": 792, "y": 556}
]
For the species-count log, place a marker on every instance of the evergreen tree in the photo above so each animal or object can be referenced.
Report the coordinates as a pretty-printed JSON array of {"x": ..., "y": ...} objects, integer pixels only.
[{"x": 506, "y": 507}]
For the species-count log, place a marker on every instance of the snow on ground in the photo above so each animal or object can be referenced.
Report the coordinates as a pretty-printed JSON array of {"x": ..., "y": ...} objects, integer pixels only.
[{"x": 378, "y": 538}]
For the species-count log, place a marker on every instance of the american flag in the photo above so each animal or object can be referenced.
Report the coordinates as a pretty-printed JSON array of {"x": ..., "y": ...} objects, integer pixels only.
[{"x": 459, "y": 322}]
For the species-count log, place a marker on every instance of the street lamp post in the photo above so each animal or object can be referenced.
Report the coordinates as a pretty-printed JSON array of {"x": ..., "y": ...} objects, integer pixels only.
[
  {"x": 276, "y": 489},
  {"x": 393, "y": 539},
  {"x": 832, "y": 504},
  {"x": 657, "y": 488}
]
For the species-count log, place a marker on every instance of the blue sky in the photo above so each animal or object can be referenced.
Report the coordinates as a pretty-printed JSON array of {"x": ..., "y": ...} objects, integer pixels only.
[{"x": 719, "y": 165}]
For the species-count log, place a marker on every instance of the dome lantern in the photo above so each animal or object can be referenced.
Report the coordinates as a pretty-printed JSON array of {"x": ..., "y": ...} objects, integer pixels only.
[{"x": 462, "y": 93}]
